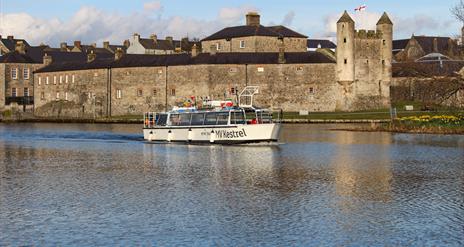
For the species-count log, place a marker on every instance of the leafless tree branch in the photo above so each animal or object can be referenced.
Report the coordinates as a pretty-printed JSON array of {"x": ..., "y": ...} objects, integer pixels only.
[{"x": 458, "y": 11}]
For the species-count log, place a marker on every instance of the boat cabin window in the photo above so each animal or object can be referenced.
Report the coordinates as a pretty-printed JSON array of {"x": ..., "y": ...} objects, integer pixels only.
[
  {"x": 198, "y": 119},
  {"x": 223, "y": 118},
  {"x": 237, "y": 118},
  {"x": 161, "y": 119},
  {"x": 175, "y": 119},
  {"x": 185, "y": 119},
  {"x": 211, "y": 118}
]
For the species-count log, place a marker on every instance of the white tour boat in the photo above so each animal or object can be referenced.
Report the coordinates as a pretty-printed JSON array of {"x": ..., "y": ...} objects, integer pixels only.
[{"x": 222, "y": 124}]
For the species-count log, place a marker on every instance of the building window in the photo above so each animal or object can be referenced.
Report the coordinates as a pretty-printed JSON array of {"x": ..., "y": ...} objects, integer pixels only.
[
  {"x": 346, "y": 61},
  {"x": 47, "y": 80},
  {"x": 42, "y": 95},
  {"x": 61, "y": 79},
  {"x": 66, "y": 79},
  {"x": 40, "y": 80},
  {"x": 57, "y": 95},
  {"x": 73, "y": 78},
  {"x": 233, "y": 90},
  {"x": 384, "y": 42},
  {"x": 54, "y": 80},
  {"x": 26, "y": 92},
  {"x": 260, "y": 69},
  {"x": 118, "y": 94},
  {"x": 139, "y": 92},
  {"x": 14, "y": 93},
  {"x": 155, "y": 92},
  {"x": 173, "y": 92},
  {"x": 242, "y": 44},
  {"x": 383, "y": 62},
  {"x": 66, "y": 96},
  {"x": 26, "y": 74},
  {"x": 344, "y": 40},
  {"x": 311, "y": 90},
  {"x": 14, "y": 73},
  {"x": 218, "y": 46}
]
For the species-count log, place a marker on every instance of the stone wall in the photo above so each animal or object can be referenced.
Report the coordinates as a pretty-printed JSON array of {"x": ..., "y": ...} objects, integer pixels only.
[
  {"x": 21, "y": 83},
  {"x": 428, "y": 91},
  {"x": 2, "y": 86},
  {"x": 255, "y": 44}
]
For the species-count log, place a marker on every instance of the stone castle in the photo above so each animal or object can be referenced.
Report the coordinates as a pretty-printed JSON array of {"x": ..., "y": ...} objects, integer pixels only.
[{"x": 356, "y": 77}]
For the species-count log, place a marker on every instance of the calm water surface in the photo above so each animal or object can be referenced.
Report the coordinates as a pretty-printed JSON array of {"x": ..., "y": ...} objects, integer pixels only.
[{"x": 82, "y": 185}]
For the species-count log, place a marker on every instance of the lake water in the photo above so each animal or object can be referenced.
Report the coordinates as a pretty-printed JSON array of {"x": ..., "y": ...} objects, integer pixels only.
[{"x": 85, "y": 185}]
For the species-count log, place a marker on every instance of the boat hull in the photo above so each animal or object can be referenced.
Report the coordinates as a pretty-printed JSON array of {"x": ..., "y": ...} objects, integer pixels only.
[{"x": 233, "y": 134}]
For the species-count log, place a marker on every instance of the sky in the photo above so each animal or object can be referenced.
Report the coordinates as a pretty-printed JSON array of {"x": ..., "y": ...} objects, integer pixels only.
[{"x": 54, "y": 21}]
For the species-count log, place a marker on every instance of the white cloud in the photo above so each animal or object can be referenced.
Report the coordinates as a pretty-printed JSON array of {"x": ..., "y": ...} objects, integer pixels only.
[
  {"x": 288, "y": 19},
  {"x": 90, "y": 25},
  {"x": 152, "y": 6}
]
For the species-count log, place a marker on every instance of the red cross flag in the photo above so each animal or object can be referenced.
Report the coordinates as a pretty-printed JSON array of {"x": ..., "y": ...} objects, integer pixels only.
[{"x": 360, "y": 8}]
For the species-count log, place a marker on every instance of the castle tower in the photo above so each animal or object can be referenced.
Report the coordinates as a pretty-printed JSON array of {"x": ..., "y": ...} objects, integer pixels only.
[
  {"x": 385, "y": 27},
  {"x": 345, "y": 48}
]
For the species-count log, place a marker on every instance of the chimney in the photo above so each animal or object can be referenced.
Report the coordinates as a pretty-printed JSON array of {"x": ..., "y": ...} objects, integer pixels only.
[
  {"x": 10, "y": 37},
  {"x": 77, "y": 44},
  {"x": 106, "y": 45},
  {"x": 435, "y": 45},
  {"x": 154, "y": 37},
  {"x": 118, "y": 54},
  {"x": 282, "y": 53},
  {"x": 47, "y": 60},
  {"x": 195, "y": 50},
  {"x": 20, "y": 47},
  {"x": 169, "y": 39},
  {"x": 253, "y": 19},
  {"x": 91, "y": 57},
  {"x": 126, "y": 43},
  {"x": 136, "y": 36},
  {"x": 94, "y": 45},
  {"x": 64, "y": 46}
]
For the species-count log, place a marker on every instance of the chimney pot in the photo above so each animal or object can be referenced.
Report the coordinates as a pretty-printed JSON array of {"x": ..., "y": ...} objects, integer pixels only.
[
  {"x": 10, "y": 37},
  {"x": 47, "y": 60},
  {"x": 106, "y": 44},
  {"x": 154, "y": 37},
  {"x": 195, "y": 50},
  {"x": 169, "y": 38},
  {"x": 77, "y": 44},
  {"x": 64, "y": 46}
]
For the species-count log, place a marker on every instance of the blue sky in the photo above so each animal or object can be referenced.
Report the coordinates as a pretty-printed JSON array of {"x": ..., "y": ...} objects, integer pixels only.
[{"x": 52, "y": 21}]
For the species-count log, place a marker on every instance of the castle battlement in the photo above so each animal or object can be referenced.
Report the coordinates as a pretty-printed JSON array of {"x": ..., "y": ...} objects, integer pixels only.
[{"x": 368, "y": 34}]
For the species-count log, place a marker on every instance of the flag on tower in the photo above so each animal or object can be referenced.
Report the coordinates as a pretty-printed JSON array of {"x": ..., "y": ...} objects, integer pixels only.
[{"x": 360, "y": 8}]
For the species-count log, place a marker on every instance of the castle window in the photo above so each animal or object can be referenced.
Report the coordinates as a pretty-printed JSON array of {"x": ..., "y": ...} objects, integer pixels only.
[
  {"x": 26, "y": 74},
  {"x": 14, "y": 73},
  {"x": 73, "y": 78},
  {"x": 155, "y": 92},
  {"x": 57, "y": 95},
  {"x": 242, "y": 44},
  {"x": 346, "y": 61},
  {"x": 383, "y": 62},
  {"x": 344, "y": 40},
  {"x": 47, "y": 80},
  {"x": 66, "y": 96},
  {"x": 118, "y": 94},
  {"x": 384, "y": 42},
  {"x": 66, "y": 79},
  {"x": 61, "y": 79},
  {"x": 40, "y": 80},
  {"x": 367, "y": 61},
  {"x": 311, "y": 90},
  {"x": 14, "y": 93},
  {"x": 54, "y": 80},
  {"x": 139, "y": 92},
  {"x": 26, "y": 92},
  {"x": 173, "y": 92},
  {"x": 42, "y": 95}
]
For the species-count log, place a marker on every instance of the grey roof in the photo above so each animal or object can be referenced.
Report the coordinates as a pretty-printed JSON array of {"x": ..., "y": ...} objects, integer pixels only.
[
  {"x": 426, "y": 42},
  {"x": 323, "y": 43},
  {"x": 248, "y": 31},
  {"x": 139, "y": 60},
  {"x": 11, "y": 43},
  {"x": 345, "y": 18},
  {"x": 384, "y": 19},
  {"x": 424, "y": 70},
  {"x": 400, "y": 44},
  {"x": 16, "y": 57}
]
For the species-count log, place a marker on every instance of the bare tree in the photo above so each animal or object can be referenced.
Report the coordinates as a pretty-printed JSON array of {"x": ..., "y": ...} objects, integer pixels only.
[{"x": 458, "y": 11}]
